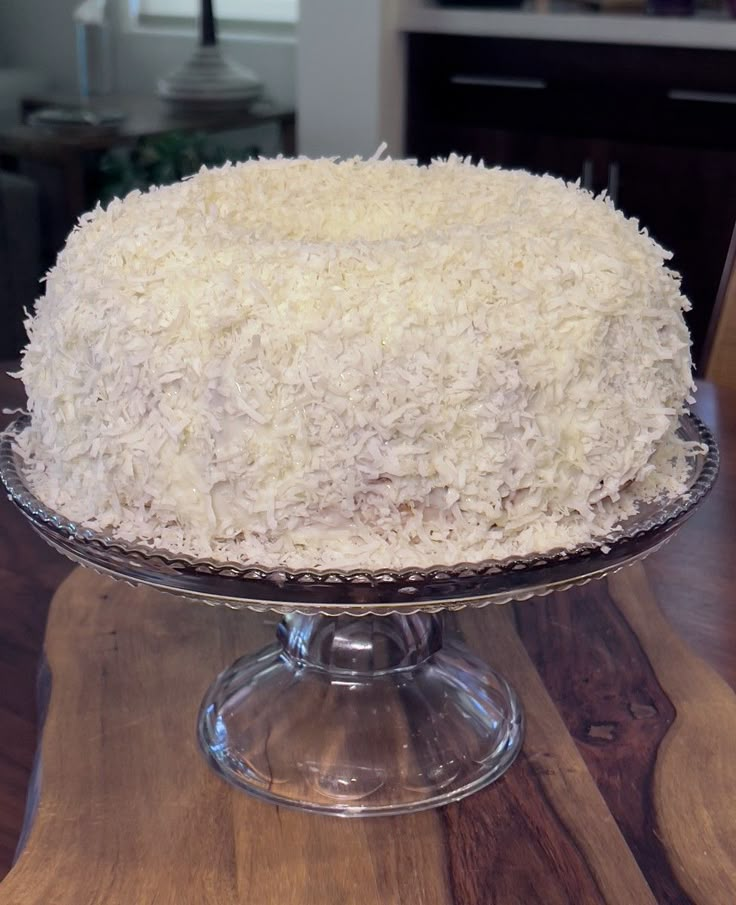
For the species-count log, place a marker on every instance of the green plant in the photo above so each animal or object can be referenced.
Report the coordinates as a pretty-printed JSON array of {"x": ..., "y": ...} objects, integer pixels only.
[{"x": 160, "y": 161}]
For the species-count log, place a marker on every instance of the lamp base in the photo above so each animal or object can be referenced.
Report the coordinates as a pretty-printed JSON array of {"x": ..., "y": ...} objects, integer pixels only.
[{"x": 209, "y": 81}]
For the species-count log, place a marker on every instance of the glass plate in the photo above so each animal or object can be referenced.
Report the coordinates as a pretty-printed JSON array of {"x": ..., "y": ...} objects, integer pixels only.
[
  {"x": 359, "y": 591},
  {"x": 362, "y": 706}
]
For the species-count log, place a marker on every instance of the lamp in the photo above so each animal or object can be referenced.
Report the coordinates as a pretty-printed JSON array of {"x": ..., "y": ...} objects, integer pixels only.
[{"x": 208, "y": 80}]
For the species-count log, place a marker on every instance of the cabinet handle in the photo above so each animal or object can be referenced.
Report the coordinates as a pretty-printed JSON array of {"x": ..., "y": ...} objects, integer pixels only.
[
  {"x": 613, "y": 181},
  {"x": 498, "y": 81},
  {"x": 586, "y": 177},
  {"x": 702, "y": 97}
]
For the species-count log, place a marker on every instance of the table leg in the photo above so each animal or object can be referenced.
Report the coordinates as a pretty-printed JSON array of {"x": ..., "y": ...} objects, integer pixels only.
[
  {"x": 72, "y": 166},
  {"x": 287, "y": 135}
]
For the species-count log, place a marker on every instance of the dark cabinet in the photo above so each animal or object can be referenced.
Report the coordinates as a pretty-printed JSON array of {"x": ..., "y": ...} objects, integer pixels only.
[
  {"x": 686, "y": 198},
  {"x": 569, "y": 158},
  {"x": 653, "y": 126}
]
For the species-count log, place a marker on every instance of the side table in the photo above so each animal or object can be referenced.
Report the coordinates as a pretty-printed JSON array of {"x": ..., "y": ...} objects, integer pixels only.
[{"x": 68, "y": 148}]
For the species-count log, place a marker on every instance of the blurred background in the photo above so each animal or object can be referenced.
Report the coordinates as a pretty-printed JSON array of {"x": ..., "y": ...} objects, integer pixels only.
[{"x": 634, "y": 97}]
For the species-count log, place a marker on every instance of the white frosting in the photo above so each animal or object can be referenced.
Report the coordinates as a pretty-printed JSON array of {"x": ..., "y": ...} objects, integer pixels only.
[{"x": 367, "y": 363}]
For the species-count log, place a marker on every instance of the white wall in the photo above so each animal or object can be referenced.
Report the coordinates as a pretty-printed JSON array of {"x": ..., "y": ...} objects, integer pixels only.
[
  {"x": 350, "y": 77},
  {"x": 4, "y": 56},
  {"x": 39, "y": 34}
]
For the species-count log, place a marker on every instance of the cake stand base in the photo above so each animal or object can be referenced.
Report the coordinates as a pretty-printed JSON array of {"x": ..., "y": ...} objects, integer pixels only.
[{"x": 361, "y": 716}]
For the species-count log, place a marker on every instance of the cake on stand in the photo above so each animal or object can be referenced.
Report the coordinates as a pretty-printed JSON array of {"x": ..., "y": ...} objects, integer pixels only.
[{"x": 365, "y": 704}]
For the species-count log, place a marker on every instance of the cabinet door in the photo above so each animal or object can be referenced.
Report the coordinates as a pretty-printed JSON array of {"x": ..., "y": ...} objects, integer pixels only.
[
  {"x": 686, "y": 199},
  {"x": 569, "y": 158}
]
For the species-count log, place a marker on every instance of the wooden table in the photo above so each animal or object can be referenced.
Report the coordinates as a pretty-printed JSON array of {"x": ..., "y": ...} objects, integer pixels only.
[{"x": 624, "y": 792}]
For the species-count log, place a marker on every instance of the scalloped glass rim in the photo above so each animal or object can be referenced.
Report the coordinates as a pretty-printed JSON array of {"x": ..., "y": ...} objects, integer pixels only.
[{"x": 360, "y": 591}]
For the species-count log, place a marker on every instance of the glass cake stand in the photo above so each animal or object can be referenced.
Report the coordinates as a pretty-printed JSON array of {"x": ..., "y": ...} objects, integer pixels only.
[{"x": 362, "y": 705}]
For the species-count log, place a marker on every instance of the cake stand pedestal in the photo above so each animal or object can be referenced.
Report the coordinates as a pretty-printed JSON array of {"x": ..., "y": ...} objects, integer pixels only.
[
  {"x": 361, "y": 715},
  {"x": 363, "y": 707}
]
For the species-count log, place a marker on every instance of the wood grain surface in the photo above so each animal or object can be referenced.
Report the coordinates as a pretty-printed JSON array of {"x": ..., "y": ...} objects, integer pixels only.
[
  {"x": 622, "y": 795},
  {"x": 623, "y": 791}
]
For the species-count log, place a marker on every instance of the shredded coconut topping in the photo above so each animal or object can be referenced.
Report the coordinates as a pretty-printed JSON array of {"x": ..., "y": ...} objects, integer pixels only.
[{"x": 363, "y": 363}]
